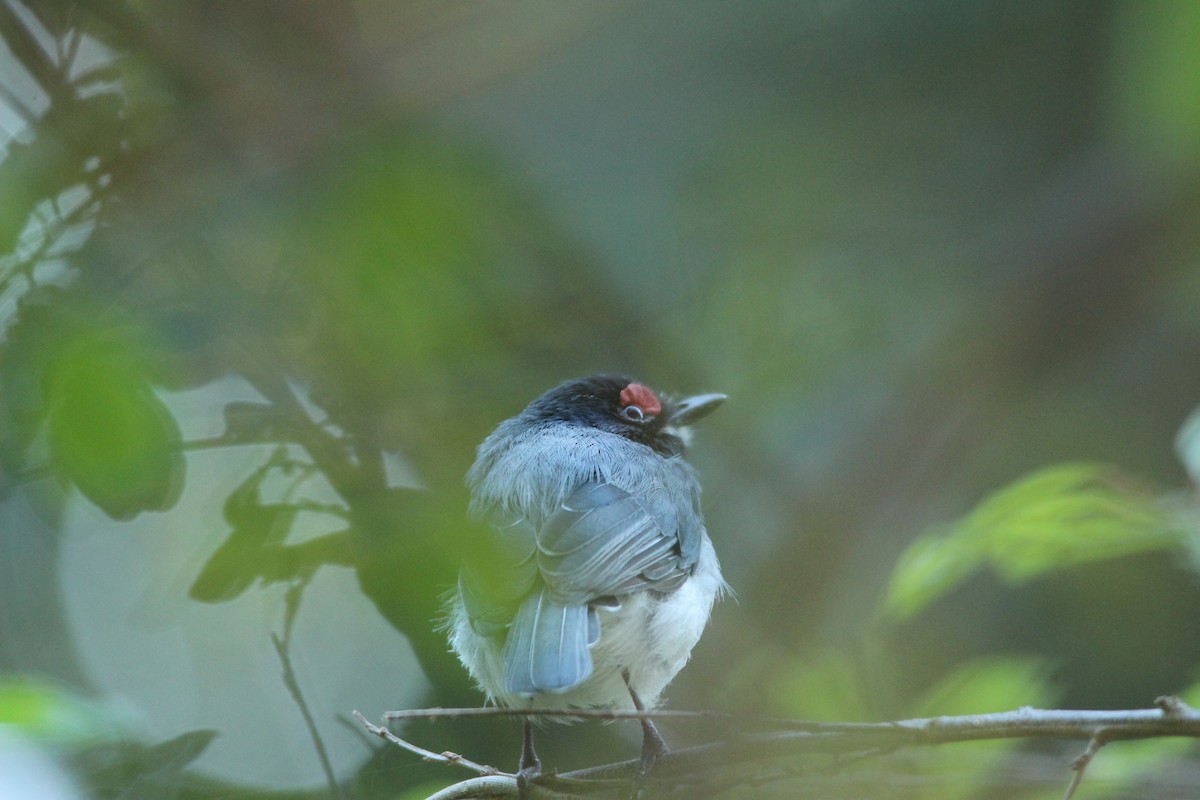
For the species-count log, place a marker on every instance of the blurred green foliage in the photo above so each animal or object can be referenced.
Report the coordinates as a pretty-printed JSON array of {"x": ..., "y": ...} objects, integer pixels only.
[
  {"x": 1051, "y": 520},
  {"x": 45, "y": 711},
  {"x": 88, "y": 381},
  {"x": 1155, "y": 103}
]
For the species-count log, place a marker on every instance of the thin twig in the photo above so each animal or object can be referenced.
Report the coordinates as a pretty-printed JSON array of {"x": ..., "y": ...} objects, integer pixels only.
[
  {"x": 293, "y": 687},
  {"x": 1080, "y": 764},
  {"x": 442, "y": 758}
]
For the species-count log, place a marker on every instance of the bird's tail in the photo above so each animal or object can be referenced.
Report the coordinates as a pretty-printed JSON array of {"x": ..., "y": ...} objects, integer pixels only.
[{"x": 547, "y": 649}]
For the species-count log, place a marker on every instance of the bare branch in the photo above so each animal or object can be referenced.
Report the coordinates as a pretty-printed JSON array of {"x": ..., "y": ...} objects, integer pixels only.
[
  {"x": 293, "y": 687},
  {"x": 709, "y": 762},
  {"x": 442, "y": 758},
  {"x": 581, "y": 713},
  {"x": 484, "y": 786},
  {"x": 1081, "y": 763}
]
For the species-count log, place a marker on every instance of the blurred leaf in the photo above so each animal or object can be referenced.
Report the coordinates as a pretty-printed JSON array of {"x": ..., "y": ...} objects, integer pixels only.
[
  {"x": 1057, "y": 517},
  {"x": 979, "y": 687},
  {"x": 1155, "y": 63},
  {"x": 986, "y": 685},
  {"x": 87, "y": 379},
  {"x": 109, "y": 433},
  {"x": 824, "y": 686},
  {"x": 30, "y": 344},
  {"x": 431, "y": 269},
  {"x": 403, "y": 221},
  {"x": 30, "y": 173},
  {"x": 43, "y": 710},
  {"x": 252, "y": 422},
  {"x": 833, "y": 685},
  {"x": 57, "y": 159},
  {"x": 242, "y": 558},
  {"x": 931, "y": 566},
  {"x": 246, "y": 553},
  {"x": 160, "y": 767},
  {"x": 140, "y": 772}
]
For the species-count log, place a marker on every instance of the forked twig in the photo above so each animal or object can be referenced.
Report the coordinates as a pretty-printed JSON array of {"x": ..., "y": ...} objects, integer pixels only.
[
  {"x": 1080, "y": 764},
  {"x": 445, "y": 757}
]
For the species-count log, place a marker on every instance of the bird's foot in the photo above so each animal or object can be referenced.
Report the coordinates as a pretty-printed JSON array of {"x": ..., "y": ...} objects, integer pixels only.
[
  {"x": 654, "y": 746},
  {"x": 526, "y": 777},
  {"x": 530, "y": 768}
]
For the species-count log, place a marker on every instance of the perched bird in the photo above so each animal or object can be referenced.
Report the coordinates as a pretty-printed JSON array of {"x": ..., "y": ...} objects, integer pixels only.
[{"x": 597, "y": 577}]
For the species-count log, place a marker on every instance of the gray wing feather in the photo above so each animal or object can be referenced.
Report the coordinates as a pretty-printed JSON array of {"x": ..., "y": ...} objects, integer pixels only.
[
  {"x": 605, "y": 541},
  {"x": 547, "y": 646},
  {"x": 602, "y": 542}
]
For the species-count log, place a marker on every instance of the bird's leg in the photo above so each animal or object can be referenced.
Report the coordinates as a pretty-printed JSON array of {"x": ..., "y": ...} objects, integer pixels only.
[
  {"x": 531, "y": 766},
  {"x": 653, "y": 744}
]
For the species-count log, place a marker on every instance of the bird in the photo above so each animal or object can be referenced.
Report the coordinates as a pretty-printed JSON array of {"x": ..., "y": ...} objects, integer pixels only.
[{"x": 596, "y": 576}]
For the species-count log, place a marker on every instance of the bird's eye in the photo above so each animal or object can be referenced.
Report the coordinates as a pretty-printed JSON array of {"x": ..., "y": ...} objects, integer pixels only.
[{"x": 633, "y": 414}]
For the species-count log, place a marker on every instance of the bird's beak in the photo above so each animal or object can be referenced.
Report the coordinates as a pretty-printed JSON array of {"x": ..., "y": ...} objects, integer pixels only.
[{"x": 690, "y": 409}]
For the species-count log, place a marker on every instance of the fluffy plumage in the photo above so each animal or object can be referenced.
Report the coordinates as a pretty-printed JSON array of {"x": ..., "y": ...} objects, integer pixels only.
[{"x": 601, "y": 563}]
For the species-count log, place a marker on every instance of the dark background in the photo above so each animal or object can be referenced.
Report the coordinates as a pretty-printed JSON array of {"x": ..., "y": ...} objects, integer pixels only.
[{"x": 266, "y": 268}]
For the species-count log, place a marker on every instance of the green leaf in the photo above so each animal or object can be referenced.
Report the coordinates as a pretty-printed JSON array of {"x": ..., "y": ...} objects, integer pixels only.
[
  {"x": 84, "y": 377},
  {"x": 244, "y": 556},
  {"x": 109, "y": 433},
  {"x": 249, "y": 551},
  {"x": 933, "y": 564},
  {"x": 1057, "y": 517}
]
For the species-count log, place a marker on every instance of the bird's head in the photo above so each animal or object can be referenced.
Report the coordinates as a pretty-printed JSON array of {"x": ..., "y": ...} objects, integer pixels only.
[{"x": 620, "y": 405}]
